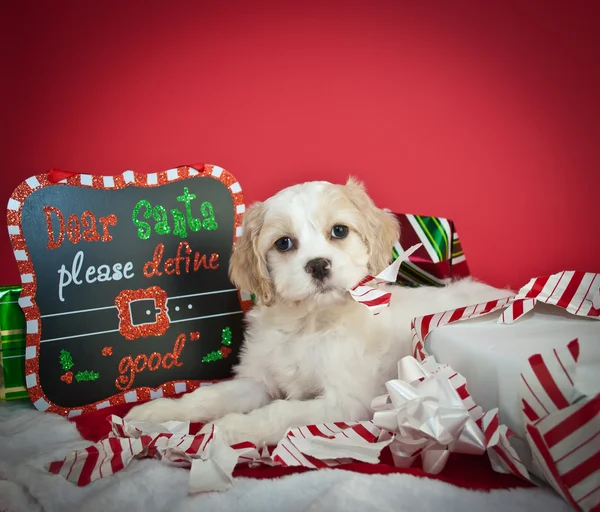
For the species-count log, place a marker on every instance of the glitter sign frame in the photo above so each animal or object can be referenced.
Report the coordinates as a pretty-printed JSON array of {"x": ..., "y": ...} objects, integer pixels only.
[{"x": 29, "y": 280}]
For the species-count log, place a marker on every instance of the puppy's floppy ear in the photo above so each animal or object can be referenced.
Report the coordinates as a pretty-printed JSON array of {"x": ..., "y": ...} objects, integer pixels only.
[
  {"x": 381, "y": 230},
  {"x": 248, "y": 267}
]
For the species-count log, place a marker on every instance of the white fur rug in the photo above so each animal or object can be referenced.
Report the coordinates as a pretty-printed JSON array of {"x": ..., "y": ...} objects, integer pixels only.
[{"x": 29, "y": 439}]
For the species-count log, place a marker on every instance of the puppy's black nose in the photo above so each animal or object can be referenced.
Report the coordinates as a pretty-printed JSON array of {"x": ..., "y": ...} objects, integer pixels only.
[{"x": 319, "y": 268}]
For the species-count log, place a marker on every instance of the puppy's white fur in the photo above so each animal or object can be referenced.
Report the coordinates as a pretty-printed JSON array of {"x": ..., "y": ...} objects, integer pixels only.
[{"x": 311, "y": 353}]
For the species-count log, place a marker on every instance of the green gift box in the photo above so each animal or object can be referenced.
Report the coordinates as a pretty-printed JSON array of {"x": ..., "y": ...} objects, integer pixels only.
[{"x": 12, "y": 345}]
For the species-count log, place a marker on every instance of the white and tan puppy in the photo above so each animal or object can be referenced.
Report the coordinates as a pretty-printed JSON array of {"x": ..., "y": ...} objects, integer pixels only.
[{"x": 311, "y": 353}]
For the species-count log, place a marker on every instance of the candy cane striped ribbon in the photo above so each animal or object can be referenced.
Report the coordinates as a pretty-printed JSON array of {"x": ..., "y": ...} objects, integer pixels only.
[
  {"x": 422, "y": 326},
  {"x": 575, "y": 292},
  {"x": 368, "y": 291},
  {"x": 502, "y": 455},
  {"x": 331, "y": 444},
  {"x": 210, "y": 459}
]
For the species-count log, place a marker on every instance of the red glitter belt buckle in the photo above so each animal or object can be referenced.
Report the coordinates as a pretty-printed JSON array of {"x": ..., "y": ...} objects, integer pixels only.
[{"x": 142, "y": 313}]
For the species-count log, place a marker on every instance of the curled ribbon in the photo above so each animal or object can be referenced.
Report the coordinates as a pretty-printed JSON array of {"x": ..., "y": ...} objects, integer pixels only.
[
  {"x": 210, "y": 459},
  {"x": 428, "y": 418},
  {"x": 368, "y": 291}
]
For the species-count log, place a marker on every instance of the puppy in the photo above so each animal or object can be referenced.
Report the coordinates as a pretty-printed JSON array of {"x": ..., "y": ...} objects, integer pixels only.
[{"x": 311, "y": 353}]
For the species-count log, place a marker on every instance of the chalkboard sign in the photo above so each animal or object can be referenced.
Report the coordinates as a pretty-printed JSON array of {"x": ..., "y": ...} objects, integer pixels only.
[{"x": 125, "y": 284}]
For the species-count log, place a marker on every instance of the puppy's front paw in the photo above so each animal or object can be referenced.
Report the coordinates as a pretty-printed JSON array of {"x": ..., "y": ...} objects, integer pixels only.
[
  {"x": 239, "y": 428},
  {"x": 233, "y": 429},
  {"x": 159, "y": 410}
]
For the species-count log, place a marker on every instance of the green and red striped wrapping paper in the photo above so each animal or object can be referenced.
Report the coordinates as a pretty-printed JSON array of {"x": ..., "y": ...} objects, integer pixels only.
[
  {"x": 12, "y": 345},
  {"x": 439, "y": 260}
]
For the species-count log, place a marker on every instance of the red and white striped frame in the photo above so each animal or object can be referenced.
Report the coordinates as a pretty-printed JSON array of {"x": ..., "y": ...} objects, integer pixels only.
[{"x": 29, "y": 281}]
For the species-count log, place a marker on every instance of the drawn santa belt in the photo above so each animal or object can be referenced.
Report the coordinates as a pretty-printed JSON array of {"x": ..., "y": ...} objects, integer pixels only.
[{"x": 140, "y": 313}]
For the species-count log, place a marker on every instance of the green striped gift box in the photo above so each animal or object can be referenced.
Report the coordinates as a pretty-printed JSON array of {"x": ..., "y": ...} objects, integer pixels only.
[
  {"x": 440, "y": 260},
  {"x": 12, "y": 346}
]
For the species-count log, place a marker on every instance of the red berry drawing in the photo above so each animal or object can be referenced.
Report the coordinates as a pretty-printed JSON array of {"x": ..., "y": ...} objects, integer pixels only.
[
  {"x": 225, "y": 351},
  {"x": 194, "y": 336},
  {"x": 107, "y": 351},
  {"x": 67, "y": 377}
]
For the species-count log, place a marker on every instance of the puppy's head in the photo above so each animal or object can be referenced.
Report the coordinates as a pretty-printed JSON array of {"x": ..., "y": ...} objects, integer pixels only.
[{"x": 311, "y": 240}]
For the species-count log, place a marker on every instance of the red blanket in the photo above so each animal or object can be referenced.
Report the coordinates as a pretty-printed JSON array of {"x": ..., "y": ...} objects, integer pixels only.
[{"x": 467, "y": 471}]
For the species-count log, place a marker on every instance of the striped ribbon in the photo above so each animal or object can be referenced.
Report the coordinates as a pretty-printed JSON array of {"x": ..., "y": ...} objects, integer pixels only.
[
  {"x": 331, "y": 444},
  {"x": 569, "y": 290},
  {"x": 423, "y": 326},
  {"x": 210, "y": 459},
  {"x": 502, "y": 455},
  {"x": 369, "y": 292},
  {"x": 573, "y": 291}
]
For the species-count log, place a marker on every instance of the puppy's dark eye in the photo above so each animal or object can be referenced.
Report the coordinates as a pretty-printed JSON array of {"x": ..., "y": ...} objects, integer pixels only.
[
  {"x": 339, "y": 231},
  {"x": 284, "y": 244}
]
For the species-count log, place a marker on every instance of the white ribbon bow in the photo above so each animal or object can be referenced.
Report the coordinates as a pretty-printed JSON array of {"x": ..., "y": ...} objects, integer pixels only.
[{"x": 428, "y": 418}]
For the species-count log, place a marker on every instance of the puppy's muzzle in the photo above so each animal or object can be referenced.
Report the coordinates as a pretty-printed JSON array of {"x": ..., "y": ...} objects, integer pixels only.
[{"x": 319, "y": 268}]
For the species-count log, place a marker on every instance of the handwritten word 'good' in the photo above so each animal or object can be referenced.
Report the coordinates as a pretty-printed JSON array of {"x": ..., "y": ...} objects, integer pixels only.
[
  {"x": 181, "y": 222},
  {"x": 129, "y": 367},
  {"x": 117, "y": 272},
  {"x": 174, "y": 265},
  {"x": 77, "y": 227}
]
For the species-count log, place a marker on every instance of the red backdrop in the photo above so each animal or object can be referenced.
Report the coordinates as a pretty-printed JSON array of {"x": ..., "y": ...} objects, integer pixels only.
[{"x": 488, "y": 114}]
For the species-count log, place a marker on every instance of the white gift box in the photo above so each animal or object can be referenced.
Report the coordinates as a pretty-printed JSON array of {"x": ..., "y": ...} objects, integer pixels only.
[
  {"x": 492, "y": 356},
  {"x": 532, "y": 361}
]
